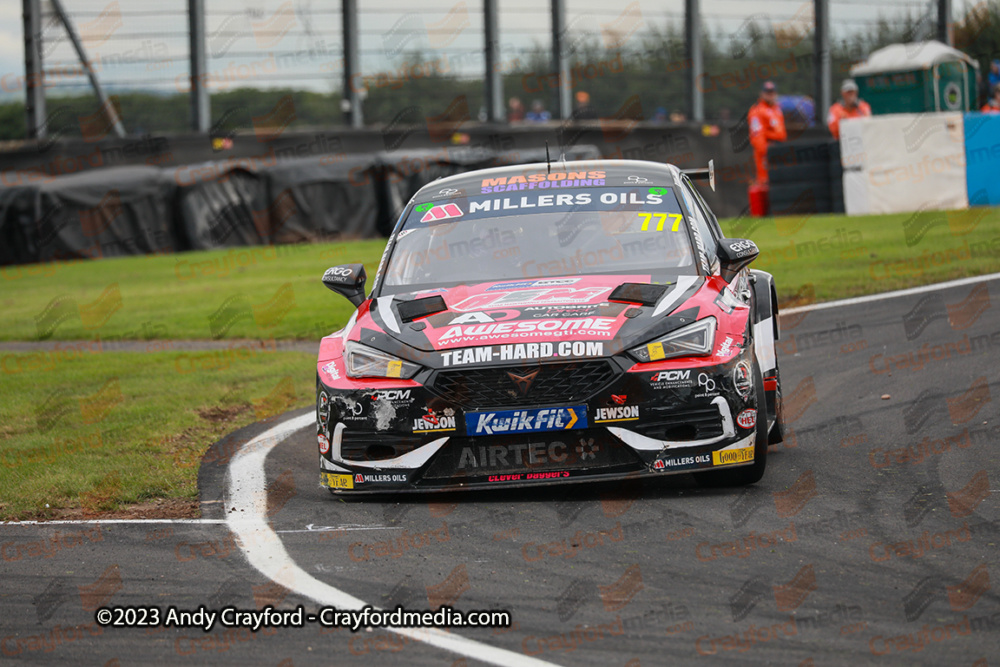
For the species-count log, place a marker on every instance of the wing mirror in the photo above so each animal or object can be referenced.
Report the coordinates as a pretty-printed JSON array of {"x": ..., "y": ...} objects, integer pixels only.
[
  {"x": 347, "y": 280},
  {"x": 735, "y": 255}
]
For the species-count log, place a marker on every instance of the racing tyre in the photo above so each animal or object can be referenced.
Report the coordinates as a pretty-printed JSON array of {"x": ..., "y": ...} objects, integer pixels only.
[
  {"x": 745, "y": 474},
  {"x": 777, "y": 432}
]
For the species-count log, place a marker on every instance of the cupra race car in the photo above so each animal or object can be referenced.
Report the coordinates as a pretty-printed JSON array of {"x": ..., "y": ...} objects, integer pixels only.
[{"x": 551, "y": 323}]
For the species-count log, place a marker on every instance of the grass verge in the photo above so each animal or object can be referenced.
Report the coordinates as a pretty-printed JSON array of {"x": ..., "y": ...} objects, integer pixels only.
[
  {"x": 275, "y": 292},
  {"x": 255, "y": 292},
  {"x": 827, "y": 257},
  {"x": 95, "y": 432}
]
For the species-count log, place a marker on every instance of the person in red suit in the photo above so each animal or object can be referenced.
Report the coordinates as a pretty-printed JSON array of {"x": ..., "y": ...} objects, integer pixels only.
[
  {"x": 849, "y": 106},
  {"x": 767, "y": 124}
]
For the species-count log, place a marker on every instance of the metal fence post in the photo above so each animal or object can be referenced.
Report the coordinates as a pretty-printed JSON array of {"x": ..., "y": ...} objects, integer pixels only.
[
  {"x": 200, "y": 110},
  {"x": 944, "y": 22},
  {"x": 559, "y": 64},
  {"x": 491, "y": 77},
  {"x": 352, "y": 94},
  {"x": 692, "y": 38},
  {"x": 34, "y": 103},
  {"x": 822, "y": 58}
]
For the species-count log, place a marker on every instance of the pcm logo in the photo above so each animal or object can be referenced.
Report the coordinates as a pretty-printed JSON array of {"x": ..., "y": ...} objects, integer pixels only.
[
  {"x": 391, "y": 395},
  {"x": 670, "y": 376}
]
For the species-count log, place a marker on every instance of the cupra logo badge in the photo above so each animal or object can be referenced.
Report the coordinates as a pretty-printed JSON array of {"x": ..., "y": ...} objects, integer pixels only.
[{"x": 523, "y": 382}]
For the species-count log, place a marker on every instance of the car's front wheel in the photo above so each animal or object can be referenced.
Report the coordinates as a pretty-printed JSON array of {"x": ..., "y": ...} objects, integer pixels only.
[{"x": 752, "y": 473}]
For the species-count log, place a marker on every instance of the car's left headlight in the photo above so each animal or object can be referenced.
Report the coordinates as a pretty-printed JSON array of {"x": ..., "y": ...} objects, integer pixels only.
[
  {"x": 367, "y": 362},
  {"x": 694, "y": 340}
]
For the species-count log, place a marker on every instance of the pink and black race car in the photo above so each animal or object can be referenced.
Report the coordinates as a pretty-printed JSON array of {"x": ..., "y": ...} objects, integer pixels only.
[{"x": 551, "y": 323}]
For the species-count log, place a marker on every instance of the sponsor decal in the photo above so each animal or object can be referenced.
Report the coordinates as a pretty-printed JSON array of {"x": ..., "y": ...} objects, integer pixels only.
[
  {"x": 679, "y": 462},
  {"x": 523, "y": 284},
  {"x": 561, "y": 311},
  {"x": 379, "y": 477},
  {"x": 331, "y": 370},
  {"x": 485, "y": 318},
  {"x": 747, "y": 418},
  {"x": 442, "y": 212},
  {"x": 587, "y": 450},
  {"x": 324, "y": 444},
  {"x": 529, "y": 181},
  {"x": 517, "y": 454},
  {"x": 435, "y": 422},
  {"x": 562, "y": 201},
  {"x": 619, "y": 399},
  {"x": 531, "y": 297},
  {"x": 537, "y": 420},
  {"x": 670, "y": 379},
  {"x": 727, "y": 456},
  {"x": 726, "y": 348},
  {"x": 742, "y": 380},
  {"x": 517, "y": 351},
  {"x": 743, "y": 248},
  {"x": 338, "y": 274},
  {"x": 448, "y": 192},
  {"x": 707, "y": 385},
  {"x": 592, "y": 326},
  {"x": 323, "y": 408},
  {"x": 391, "y": 395},
  {"x": 529, "y": 476},
  {"x": 333, "y": 481},
  {"x": 617, "y": 414}
]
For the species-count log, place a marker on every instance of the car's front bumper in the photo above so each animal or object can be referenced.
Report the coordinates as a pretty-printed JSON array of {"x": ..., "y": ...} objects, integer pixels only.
[{"x": 665, "y": 420}]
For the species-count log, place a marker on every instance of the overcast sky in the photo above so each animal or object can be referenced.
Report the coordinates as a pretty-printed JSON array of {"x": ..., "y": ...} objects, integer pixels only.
[{"x": 268, "y": 43}]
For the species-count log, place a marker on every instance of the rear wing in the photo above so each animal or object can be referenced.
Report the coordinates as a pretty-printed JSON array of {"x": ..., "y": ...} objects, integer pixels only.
[{"x": 705, "y": 173}]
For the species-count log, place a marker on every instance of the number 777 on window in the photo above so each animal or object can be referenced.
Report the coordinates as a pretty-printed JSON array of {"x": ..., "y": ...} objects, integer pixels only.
[{"x": 661, "y": 219}]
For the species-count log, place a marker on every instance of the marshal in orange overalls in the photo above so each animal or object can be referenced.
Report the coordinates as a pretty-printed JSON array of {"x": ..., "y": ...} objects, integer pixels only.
[{"x": 767, "y": 124}]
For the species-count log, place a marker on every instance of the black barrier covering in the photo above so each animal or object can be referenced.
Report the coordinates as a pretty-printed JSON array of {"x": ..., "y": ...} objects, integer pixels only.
[
  {"x": 102, "y": 213},
  {"x": 218, "y": 208},
  {"x": 802, "y": 174},
  {"x": 17, "y": 226},
  {"x": 320, "y": 198}
]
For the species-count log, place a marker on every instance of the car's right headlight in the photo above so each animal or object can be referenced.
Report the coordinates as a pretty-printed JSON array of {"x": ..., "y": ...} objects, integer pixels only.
[
  {"x": 694, "y": 340},
  {"x": 367, "y": 362}
]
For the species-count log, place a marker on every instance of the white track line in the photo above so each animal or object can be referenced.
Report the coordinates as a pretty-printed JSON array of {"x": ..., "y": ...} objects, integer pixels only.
[
  {"x": 246, "y": 512},
  {"x": 891, "y": 295}
]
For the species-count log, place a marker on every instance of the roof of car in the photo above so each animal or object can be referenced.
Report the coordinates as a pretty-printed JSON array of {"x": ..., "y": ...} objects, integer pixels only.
[{"x": 615, "y": 172}]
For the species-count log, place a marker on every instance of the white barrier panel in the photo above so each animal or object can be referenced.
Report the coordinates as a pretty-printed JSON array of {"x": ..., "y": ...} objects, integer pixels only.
[
  {"x": 852, "y": 157},
  {"x": 910, "y": 162}
]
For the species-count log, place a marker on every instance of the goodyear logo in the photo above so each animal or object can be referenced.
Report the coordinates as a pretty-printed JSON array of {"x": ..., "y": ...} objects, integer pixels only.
[
  {"x": 333, "y": 481},
  {"x": 728, "y": 456},
  {"x": 537, "y": 420}
]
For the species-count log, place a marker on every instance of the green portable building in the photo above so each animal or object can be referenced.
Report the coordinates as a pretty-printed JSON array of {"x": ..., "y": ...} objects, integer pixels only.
[{"x": 917, "y": 77}]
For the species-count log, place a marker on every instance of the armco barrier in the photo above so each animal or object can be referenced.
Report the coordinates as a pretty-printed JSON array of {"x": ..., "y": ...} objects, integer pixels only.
[{"x": 982, "y": 158}]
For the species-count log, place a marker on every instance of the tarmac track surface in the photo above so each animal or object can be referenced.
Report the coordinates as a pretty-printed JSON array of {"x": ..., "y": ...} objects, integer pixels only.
[{"x": 872, "y": 539}]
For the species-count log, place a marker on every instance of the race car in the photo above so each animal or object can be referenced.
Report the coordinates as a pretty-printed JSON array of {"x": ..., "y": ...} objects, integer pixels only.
[{"x": 551, "y": 323}]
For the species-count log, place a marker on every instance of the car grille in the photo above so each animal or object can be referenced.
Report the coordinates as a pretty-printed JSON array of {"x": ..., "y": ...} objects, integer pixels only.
[
  {"x": 493, "y": 388},
  {"x": 686, "y": 424}
]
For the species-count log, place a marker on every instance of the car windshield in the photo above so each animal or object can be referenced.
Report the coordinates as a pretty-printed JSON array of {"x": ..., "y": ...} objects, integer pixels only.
[{"x": 536, "y": 234}]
